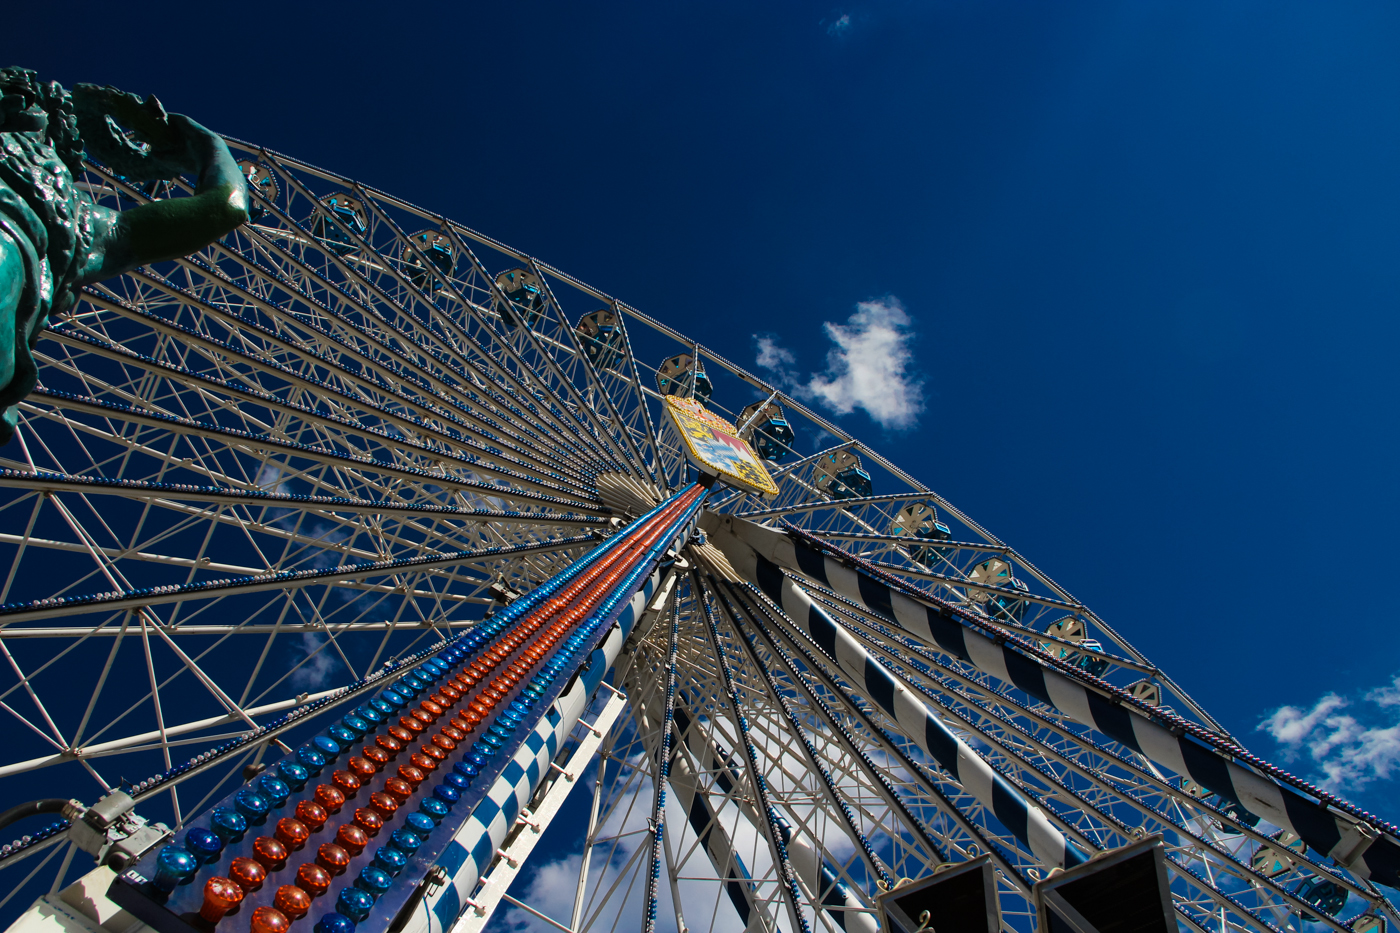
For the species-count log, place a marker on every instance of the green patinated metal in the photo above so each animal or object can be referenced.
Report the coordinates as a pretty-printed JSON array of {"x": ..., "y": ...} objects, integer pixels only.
[{"x": 54, "y": 239}]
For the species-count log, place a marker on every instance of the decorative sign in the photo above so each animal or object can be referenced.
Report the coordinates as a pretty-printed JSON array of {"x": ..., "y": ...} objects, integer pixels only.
[{"x": 713, "y": 445}]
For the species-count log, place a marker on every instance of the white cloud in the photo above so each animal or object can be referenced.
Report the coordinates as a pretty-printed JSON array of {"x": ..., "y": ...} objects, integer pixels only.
[
  {"x": 771, "y": 356},
  {"x": 1348, "y": 752},
  {"x": 840, "y": 26},
  {"x": 868, "y": 368},
  {"x": 319, "y": 666}
]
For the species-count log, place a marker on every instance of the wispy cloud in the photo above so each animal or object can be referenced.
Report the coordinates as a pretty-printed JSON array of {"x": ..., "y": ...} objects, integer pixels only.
[
  {"x": 317, "y": 669},
  {"x": 1350, "y": 744},
  {"x": 839, "y": 26},
  {"x": 870, "y": 366}
]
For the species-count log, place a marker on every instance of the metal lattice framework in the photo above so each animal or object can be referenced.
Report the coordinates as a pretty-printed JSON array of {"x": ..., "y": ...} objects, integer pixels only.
[{"x": 250, "y": 477}]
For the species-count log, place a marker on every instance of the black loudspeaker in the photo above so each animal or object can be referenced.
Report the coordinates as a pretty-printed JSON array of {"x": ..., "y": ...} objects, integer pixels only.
[
  {"x": 957, "y": 898},
  {"x": 1120, "y": 891}
]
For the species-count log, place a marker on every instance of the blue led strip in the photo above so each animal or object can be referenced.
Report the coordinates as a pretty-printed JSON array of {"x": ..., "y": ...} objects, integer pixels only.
[
  {"x": 663, "y": 772},
  {"x": 585, "y": 657},
  {"x": 1161, "y": 736}
]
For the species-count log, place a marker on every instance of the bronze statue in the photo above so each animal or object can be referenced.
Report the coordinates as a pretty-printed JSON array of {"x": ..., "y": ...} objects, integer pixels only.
[{"x": 54, "y": 239}]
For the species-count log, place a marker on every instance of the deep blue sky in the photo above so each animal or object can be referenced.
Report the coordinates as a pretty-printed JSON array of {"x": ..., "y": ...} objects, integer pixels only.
[{"x": 1150, "y": 251}]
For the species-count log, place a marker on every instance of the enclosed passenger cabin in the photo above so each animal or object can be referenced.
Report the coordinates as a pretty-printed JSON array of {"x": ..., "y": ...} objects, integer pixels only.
[
  {"x": 840, "y": 475},
  {"x": 341, "y": 219},
  {"x": 767, "y": 430},
  {"x": 524, "y": 297},
  {"x": 677, "y": 376},
  {"x": 920, "y": 520},
  {"x": 1001, "y": 606},
  {"x": 260, "y": 181},
  {"x": 601, "y": 338},
  {"x": 437, "y": 247}
]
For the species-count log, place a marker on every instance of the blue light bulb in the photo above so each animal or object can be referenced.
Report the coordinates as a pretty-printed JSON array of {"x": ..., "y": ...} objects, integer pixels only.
[
  {"x": 252, "y": 805},
  {"x": 310, "y": 758},
  {"x": 383, "y": 705},
  {"x": 292, "y": 774},
  {"x": 335, "y": 923},
  {"x": 466, "y": 769},
  {"x": 447, "y": 794},
  {"x": 354, "y": 903},
  {"x": 355, "y": 724},
  {"x": 228, "y": 825},
  {"x": 327, "y": 746},
  {"x": 458, "y": 781},
  {"x": 369, "y": 714},
  {"x": 174, "y": 867},
  {"x": 434, "y": 808},
  {"x": 393, "y": 699},
  {"x": 203, "y": 844},
  {"x": 344, "y": 736},
  {"x": 419, "y": 824},
  {"x": 273, "y": 788},
  {"x": 405, "y": 841},
  {"x": 374, "y": 880},
  {"x": 389, "y": 860}
]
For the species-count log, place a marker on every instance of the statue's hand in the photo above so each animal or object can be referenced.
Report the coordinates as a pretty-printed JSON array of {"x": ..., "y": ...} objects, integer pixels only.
[{"x": 165, "y": 145}]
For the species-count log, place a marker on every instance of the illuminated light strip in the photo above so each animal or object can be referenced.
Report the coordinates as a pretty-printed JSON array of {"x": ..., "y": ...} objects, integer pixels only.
[
  {"x": 599, "y": 643},
  {"x": 367, "y": 765}
]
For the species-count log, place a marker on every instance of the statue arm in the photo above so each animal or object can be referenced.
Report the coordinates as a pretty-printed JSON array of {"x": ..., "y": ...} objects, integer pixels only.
[{"x": 172, "y": 227}]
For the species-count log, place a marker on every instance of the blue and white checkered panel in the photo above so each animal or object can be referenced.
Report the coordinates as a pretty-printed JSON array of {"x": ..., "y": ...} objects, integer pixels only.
[
  {"x": 765, "y": 554},
  {"x": 474, "y": 847},
  {"x": 475, "y": 844}
]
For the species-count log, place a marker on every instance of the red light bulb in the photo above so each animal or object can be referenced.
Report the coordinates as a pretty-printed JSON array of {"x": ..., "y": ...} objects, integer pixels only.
[
  {"x": 271, "y": 853},
  {"x": 402, "y": 734},
  {"x": 363, "y": 768},
  {"x": 412, "y": 775},
  {"x": 247, "y": 874},
  {"x": 400, "y": 789},
  {"x": 332, "y": 858},
  {"x": 269, "y": 920},
  {"x": 389, "y": 743},
  {"x": 312, "y": 814},
  {"x": 292, "y": 833},
  {"x": 369, "y": 820},
  {"x": 220, "y": 896},
  {"x": 422, "y": 762},
  {"x": 292, "y": 901},
  {"x": 384, "y": 803},
  {"x": 432, "y": 751},
  {"x": 352, "y": 839},
  {"x": 330, "y": 797},
  {"x": 347, "y": 782},
  {"x": 313, "y": 879}
]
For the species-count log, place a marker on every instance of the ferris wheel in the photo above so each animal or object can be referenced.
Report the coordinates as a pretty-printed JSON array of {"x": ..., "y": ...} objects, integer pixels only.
[{"x": 354, "y": 439}]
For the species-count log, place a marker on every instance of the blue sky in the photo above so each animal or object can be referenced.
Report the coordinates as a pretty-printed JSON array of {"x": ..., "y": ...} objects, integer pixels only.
[{"x": 1141, "y": 259}]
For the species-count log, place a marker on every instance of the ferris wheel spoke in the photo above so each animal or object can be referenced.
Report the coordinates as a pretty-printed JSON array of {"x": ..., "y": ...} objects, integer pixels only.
[
  {"x": 247, "y": 442},
  {"x": 357, "y": 398},
  {"x": 278, "y": 580},
  {"x": 218, "y": 394}
]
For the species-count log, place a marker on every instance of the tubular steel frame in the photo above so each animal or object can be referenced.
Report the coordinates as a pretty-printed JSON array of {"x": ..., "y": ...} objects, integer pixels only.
[{"x": 274, "y": 465}]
